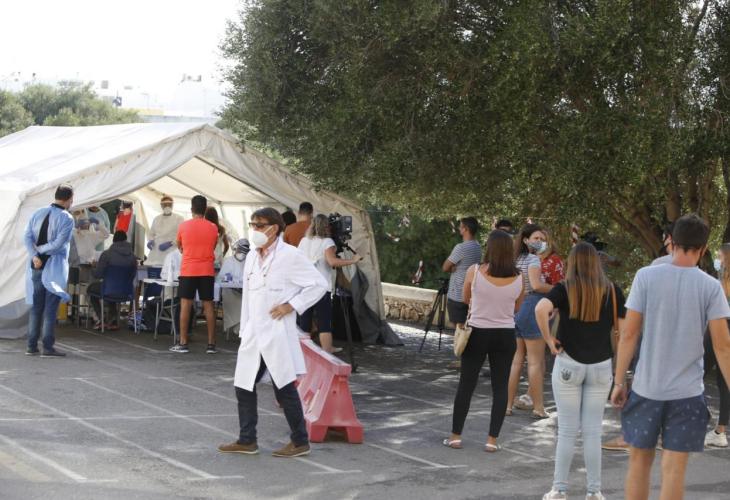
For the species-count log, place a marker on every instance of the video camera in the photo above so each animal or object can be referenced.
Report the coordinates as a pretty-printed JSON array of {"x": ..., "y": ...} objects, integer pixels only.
[{"x": 341, "y": 230}]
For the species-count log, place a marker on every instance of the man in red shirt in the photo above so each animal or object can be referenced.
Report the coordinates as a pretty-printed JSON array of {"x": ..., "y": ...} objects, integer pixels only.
[
  {"x": 196, "y": 239},
  {"x": 294, "y": 233}
]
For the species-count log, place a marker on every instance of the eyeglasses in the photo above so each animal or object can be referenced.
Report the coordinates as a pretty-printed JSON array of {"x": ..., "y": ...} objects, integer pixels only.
[{"x": 258, "y": 225}]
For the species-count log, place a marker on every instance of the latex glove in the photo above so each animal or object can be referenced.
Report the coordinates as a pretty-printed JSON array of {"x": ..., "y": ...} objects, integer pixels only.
[
  {"x": 164, "y": 246},
  {"x": 151, "y": 244},
  {"x": 93, "y": 220}
]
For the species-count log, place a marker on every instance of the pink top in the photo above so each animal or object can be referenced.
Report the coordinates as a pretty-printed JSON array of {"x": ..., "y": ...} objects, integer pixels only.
[{"x": 493, "y": 306}]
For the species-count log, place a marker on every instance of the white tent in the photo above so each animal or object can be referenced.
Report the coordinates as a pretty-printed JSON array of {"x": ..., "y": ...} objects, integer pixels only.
[{"x": 144, "y": 161}]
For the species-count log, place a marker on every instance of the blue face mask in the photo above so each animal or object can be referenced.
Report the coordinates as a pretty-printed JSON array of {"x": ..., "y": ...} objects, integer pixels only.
[{"x": 537, "y": 246}]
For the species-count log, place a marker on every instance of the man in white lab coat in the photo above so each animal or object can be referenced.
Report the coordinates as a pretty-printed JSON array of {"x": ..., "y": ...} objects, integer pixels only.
[
  {"x": 278, "y": 281},
  {"x": 163, "y": 233}
]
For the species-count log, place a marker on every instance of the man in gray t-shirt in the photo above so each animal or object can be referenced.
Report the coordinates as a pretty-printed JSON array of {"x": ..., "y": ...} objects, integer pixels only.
[
  {"x": 673, "y": 304},
  {"x": 463, "y": 256}
]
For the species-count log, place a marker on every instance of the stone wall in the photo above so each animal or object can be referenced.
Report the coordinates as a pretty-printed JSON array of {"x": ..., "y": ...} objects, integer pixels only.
[{"x": 407, "y": 303}]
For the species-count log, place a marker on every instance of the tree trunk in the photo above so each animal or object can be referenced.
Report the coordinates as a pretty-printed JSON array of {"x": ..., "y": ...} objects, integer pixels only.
[
  {"x": 726, "y": 177},
  {"x": 639, "y": 224},
  {"x": 673, "y": 204}
]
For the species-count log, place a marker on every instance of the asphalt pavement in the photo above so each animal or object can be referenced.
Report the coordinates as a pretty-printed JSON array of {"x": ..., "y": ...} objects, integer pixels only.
[{"x": 121, "y": 417}]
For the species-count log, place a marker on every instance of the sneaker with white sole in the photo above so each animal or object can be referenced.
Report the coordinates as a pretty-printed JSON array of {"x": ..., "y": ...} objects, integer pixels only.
[
  {"x": 717, "y": 440},
  {"x": 180, "y": 348},
  {"x": 595, "y": 496},
  {"x": 554, "y": 495},
  {"x": 210, "y": 349}
]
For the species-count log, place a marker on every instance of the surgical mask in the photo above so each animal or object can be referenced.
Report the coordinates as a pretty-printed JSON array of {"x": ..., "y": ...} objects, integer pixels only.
[
  {"x": 167, "y": 210},
  {"x": 259, "y": 239},
  {"x": 537, "y": 246}
]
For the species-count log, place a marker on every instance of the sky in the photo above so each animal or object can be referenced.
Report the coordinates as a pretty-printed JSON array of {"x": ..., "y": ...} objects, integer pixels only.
[{"x": 149, "y": 44}]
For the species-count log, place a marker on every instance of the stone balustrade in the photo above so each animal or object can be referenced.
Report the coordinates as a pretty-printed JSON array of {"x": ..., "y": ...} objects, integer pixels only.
[{"x": 408, "y": 303}]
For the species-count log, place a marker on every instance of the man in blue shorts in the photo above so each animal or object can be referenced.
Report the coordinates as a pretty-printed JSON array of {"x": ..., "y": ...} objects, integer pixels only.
[{"x": 673, "y": 304}]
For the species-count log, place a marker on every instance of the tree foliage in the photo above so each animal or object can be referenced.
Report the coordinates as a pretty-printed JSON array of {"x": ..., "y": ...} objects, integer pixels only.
[
  {"x": 71, "y": 104},
  {"x": 610, "y": 113},
  {"x": 13, "y": 116}
]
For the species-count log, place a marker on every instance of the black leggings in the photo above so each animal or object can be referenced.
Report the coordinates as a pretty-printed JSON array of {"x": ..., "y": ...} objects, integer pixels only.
[
  {"x": 500, "y": 345},
  {"x": 710, "y": 362}
]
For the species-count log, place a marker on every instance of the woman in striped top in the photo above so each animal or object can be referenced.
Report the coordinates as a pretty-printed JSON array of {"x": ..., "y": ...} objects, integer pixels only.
[{"x": 530, "y": 242}]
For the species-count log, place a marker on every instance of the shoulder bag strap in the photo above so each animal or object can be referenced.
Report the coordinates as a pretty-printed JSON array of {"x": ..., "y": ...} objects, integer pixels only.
[
  {"x": 615, "y": 331},
  {"x": 471, "y": 298}
]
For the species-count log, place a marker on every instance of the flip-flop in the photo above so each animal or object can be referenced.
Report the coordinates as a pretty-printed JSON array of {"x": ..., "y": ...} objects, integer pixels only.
[
  {"x": 452, "y": 443},
  {"x": 492, "y": 448},
  {"x": 508, "y": 413},
  {"x": 540, "y": 416}
]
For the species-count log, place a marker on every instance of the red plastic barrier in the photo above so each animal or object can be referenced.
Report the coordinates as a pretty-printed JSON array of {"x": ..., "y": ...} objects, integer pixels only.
[{"x": 326, "y": 397}]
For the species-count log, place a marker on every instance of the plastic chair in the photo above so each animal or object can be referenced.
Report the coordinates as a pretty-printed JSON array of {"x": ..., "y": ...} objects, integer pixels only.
[{"x": 117, "y": 287}]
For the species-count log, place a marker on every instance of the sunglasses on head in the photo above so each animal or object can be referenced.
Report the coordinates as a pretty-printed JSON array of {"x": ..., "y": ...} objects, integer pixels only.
[{"x": 258, "y": 225}]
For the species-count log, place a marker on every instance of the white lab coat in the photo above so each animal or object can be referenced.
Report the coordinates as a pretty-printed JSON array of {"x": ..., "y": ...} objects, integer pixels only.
[
  {"x": 163, "y": 229},
  {"x": 86, "y": 241},
  {"x": 286, "y": 276}
]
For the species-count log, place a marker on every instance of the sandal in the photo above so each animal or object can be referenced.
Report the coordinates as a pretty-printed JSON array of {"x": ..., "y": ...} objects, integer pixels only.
[
  {"x": 492, "y": 448},
  {"x": 540, "y": 415},
  {"x": 452, "y": 443},
  {"x": 508, "y": 413}
]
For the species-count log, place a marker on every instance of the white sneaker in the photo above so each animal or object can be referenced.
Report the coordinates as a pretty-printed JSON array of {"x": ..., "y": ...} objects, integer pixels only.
[
  {"x": 595, "y": 496},
  {"x": 554, "y": 495},
  {"x": 717, "y": 440}
]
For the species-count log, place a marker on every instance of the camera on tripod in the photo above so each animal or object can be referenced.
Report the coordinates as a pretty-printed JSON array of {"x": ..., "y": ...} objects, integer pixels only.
[{"x": 340, "y": 230}]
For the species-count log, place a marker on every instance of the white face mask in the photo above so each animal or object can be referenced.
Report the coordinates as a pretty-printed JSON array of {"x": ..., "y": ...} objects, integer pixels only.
[
  {"x": 259, "y": 239},
  {"x": 167, "y": 210}
]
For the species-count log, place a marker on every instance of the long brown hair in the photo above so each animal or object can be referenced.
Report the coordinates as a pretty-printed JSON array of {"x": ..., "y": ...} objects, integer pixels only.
[
  {"x": 586, "y": 283},
  {"x": 524, "y": 234},
  {"x": 725, "y": 268},
  {"x": 499, "y": 255}
]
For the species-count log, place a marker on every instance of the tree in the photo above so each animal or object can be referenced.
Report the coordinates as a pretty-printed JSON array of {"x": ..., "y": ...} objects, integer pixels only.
[
  {"x": 609, "y": 113},
  {"x": 71, "y": 104},
  {"x": 13, "y": 116}
]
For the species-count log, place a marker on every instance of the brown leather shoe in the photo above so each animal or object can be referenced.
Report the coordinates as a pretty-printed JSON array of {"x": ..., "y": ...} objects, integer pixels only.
[
  {"x": 291, "y": 450},
  {"x": 246, "y": 449},
  {"x": 616, "y": 444}
]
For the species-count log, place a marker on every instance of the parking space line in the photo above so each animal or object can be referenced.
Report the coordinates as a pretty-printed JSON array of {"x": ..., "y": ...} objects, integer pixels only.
[
  {"x": 324, "y": 468},
  {"x": 153, "y": 406},
  {"x": 130, "y": 344},
  {"x": 434, "y": 403},
  {"x": 154, "y": 454},
  {"x": 51, "y": 463},
  {"x": 431, "y": 465},
  {"x": 116, "y": 417},
  {"x": 22, "y": 469},
  {"x": 83, "y": 354},
  {"x": 214, "y": 394}
]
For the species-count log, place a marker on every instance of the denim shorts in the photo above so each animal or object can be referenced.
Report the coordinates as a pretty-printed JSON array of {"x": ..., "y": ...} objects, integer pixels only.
[
  {"x": 682, "y": 423},
  {"x": 525, "y": 321}
]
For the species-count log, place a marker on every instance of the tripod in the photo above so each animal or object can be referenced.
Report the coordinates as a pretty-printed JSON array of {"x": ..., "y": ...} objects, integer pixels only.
[
  {"x": 438, "y": 307},
  {"x": 345, "y": 298}
]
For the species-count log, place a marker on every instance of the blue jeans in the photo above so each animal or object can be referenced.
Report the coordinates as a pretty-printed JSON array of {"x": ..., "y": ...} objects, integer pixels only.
[
  {"x": 580, "y": 392},
  {"x": 43, "y": 314}
]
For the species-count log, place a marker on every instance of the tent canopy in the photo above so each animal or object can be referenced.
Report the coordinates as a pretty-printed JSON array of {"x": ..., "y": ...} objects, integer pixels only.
[{"x": 144, "y": 161}]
